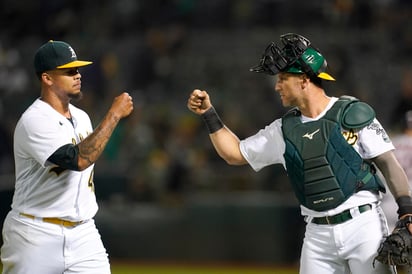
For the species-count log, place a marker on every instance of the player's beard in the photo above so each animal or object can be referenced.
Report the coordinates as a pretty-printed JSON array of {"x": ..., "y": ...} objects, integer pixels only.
[{"x": 76, "y": 97}]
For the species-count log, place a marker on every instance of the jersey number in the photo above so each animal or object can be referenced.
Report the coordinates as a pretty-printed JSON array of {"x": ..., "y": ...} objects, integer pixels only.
[{"x": 91, "y": 182}]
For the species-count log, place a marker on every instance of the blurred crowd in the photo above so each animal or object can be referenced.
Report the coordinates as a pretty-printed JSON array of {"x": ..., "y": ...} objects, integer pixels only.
[{"x": 160, "y": 50}]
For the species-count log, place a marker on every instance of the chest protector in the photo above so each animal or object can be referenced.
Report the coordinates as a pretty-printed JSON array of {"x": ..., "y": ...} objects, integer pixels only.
[{"x": 324, "y": 168}]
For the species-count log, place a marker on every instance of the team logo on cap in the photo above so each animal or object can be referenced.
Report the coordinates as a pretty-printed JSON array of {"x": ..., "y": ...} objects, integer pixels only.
[
  {"x": 73, "y": 53},
  {"x": 310, "y": 58}
]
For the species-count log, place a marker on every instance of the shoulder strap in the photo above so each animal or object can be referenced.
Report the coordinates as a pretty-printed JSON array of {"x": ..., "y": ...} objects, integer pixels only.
[
  {"x": 335, "y": 113},
  {"x": 347, "y": 111},
  {"x": 292, "y": 113},
  {"x": 350, "y": 113}
]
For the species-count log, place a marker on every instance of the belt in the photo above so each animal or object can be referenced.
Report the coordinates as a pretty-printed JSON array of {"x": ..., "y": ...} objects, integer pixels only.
[
  {"x": 339, "y": 218},
  {"x": 55, "y": 221}
]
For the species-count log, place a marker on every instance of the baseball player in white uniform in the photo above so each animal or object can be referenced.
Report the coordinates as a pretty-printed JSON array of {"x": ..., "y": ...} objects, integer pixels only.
[
  {"x": 50, "y": 228},
  {"x": 329, "y": 147},
  {"x": 403, "y": 144}
]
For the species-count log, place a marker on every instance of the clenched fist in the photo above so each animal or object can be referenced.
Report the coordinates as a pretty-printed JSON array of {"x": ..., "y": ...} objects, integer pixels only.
[
  {"x": 122, "y": 105},
  {"x": 199, "y": 101}
]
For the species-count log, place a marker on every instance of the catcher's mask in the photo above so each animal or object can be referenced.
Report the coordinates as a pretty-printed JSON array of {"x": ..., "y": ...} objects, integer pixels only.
[{"x": 294, "y": 55}]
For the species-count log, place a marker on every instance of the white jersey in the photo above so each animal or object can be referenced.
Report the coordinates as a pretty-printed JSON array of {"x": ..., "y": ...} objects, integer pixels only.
[
  {"x": 268, "y": 146},
  {"x": 43, "y": 189}
]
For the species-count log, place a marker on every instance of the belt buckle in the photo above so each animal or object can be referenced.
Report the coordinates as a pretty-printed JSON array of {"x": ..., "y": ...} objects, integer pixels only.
[{"x": 327, "y": 219}]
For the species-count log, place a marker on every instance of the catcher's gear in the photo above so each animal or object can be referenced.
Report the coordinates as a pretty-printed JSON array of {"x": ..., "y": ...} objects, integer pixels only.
[
  {"x": 294, "y": 55},
  {"x": 396, "y": 249}
]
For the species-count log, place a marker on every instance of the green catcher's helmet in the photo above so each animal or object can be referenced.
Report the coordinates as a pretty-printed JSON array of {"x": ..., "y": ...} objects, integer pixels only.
[{"x": 294, "y": 55}]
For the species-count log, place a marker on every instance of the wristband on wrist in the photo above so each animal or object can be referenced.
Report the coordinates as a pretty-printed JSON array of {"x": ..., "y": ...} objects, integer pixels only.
[
  {"x": 212, "y": 120},
  {"x": 405, "y": 205}
]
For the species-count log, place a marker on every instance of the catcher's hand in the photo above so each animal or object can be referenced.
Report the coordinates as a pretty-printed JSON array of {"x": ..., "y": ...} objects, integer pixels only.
[
  {"x": 396, "y": 249},
  {"x": 199, "y": 101}
]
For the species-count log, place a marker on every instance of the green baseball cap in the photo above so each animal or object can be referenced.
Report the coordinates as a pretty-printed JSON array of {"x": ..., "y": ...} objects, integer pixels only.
[
  {"x": 316, "y": 63},
  {"x": 56, "y": 55}
]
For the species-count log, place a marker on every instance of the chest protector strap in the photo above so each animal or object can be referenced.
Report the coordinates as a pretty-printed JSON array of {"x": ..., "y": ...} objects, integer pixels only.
[{"x": 324, "y": 168}]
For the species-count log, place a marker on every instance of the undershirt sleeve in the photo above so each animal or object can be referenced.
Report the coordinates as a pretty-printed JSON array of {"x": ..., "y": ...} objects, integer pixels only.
[{"x": 66, "y": 157}]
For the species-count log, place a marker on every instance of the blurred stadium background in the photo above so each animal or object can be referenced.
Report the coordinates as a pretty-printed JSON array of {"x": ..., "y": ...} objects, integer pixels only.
[{"x": 164, "y": 194}]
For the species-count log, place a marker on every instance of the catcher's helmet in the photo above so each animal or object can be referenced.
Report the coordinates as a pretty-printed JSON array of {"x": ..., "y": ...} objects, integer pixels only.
[{"x": 294, "y": 55}]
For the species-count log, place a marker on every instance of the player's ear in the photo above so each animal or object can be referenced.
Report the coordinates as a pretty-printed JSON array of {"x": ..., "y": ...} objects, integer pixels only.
[
  {"x": 305, "y": 81},
  {"x": 45, "y": 77}
]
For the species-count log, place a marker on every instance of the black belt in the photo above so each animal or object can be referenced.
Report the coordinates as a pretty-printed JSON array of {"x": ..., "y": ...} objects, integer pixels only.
[{"x": 339, "y": 218}]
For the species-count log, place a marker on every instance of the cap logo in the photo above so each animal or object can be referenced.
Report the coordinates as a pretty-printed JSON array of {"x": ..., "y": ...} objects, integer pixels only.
[
  {"x": 310, "y": 58},
  {"x": 73, "y": 53}
]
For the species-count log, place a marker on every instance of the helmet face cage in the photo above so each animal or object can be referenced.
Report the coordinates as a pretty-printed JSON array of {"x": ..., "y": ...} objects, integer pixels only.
[
  {"x": 273, "y": 60},
  {"x": 277, "y": 59},
  {"x": 294, "y": 45}
]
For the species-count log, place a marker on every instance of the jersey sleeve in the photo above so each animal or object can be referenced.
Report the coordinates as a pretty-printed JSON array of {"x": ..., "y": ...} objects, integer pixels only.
[
  {"x": 39, "y": 137},
  {"x": 264, "y": 148},
  {"x": 374, "y": 141}
]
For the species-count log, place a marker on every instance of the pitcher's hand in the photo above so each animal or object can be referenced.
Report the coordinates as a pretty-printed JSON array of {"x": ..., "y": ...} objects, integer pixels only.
[{"x": 122, "y": 105}]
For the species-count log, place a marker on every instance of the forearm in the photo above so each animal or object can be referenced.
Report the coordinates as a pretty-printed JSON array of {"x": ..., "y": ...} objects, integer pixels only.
[
  {"x": 92, "y": 147},
  {"x": 226, "y": 144},
  {"x": 396, "y": 180},
  {"x": 394, "y": 174},
  {"x": 223, "y": 139}
]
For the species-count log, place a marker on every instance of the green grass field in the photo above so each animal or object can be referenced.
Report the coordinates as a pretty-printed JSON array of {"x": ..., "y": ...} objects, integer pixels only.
[
  {"x": 144, "y": 268},
  {"x": 164, "y": 268}
]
